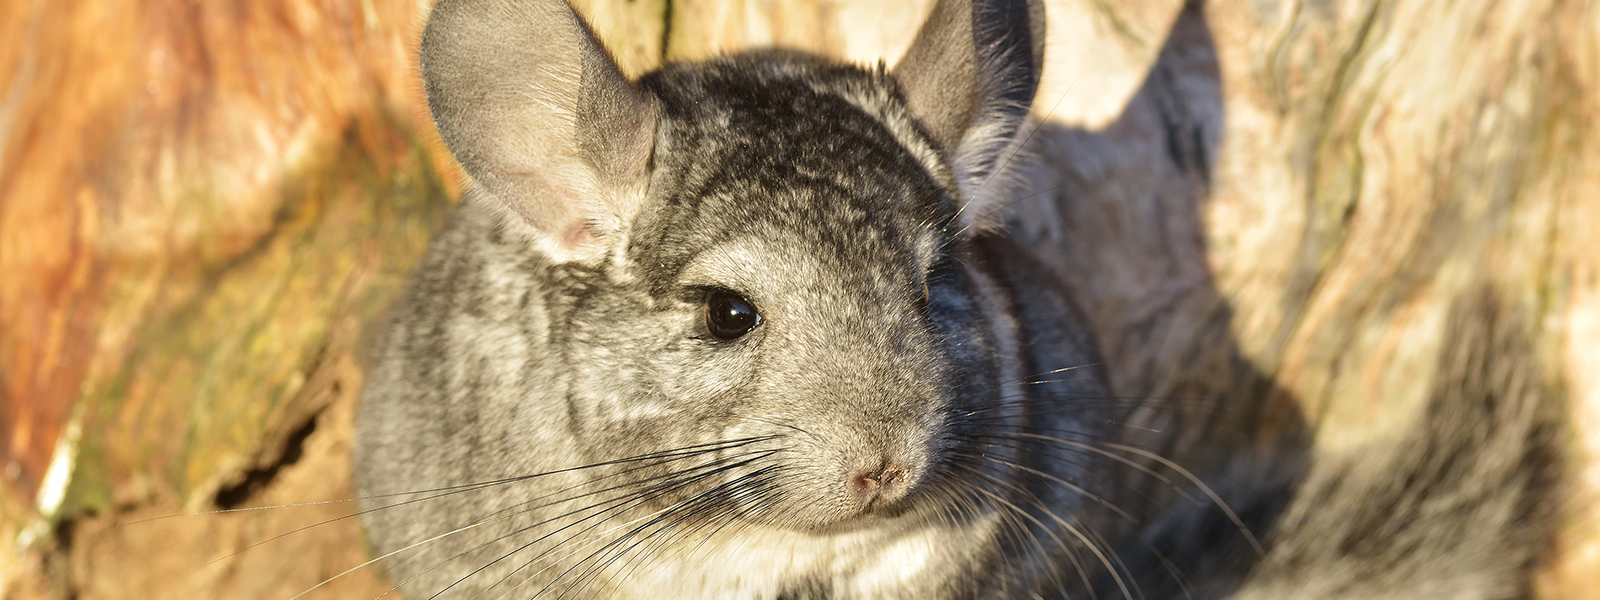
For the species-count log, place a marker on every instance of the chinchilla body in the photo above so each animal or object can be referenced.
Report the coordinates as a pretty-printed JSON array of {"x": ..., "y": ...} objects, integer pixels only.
[
  {"x": 741, "y": 329},
  {"x": 739, "y": 320}
]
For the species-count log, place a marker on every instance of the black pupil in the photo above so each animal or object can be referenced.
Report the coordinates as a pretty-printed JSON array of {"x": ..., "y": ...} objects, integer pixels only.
[{"x": 729, "y": 315}]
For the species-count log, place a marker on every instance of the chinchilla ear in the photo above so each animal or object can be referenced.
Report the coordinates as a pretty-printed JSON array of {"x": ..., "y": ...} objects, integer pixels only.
[
  {"x": 969, "y": 78},
  {"x": 540, "y": 117}
]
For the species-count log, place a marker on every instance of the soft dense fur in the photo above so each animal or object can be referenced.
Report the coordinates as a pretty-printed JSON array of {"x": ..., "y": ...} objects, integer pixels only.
[{"x": 919, "y": 413}]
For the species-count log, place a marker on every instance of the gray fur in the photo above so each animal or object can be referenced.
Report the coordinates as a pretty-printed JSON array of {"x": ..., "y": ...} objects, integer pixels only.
[
  {"x": 891, "y": 339},
  {"x": 920, "y": 413}
]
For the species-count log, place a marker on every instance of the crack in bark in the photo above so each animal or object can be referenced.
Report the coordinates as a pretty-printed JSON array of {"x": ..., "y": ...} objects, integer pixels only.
[{"x": 262, "y": 475}]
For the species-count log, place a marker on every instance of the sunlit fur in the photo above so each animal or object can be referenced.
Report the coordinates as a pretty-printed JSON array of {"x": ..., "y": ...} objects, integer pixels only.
[{"x": 547, "y": 415}]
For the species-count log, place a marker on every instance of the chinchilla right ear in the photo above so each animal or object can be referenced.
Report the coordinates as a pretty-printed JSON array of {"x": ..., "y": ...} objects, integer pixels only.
[
  {"x": 539, "y": 116},
  {"x": 969, "y": 78}
]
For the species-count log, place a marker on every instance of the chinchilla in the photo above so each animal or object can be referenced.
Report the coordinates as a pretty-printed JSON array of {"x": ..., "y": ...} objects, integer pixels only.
[{"x": 742, "y": 328}]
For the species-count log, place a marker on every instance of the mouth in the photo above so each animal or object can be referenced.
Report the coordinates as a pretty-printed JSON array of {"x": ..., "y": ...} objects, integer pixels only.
[
  {"x": 861, "y": 499},
  {"x": 872, "y": 517}
]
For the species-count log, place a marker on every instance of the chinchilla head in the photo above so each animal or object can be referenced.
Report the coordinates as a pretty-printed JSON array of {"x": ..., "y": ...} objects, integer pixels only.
[{"x": 764, "y": 246}]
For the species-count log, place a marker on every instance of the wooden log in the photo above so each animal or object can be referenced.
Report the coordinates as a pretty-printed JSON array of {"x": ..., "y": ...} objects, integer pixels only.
[{"x": 205, "y": 207}]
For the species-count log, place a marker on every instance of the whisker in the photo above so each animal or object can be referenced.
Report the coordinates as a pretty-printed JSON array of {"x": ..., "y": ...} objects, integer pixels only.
[
  {"x": 324, "y": 502},
  {"x": 663, "y": 542},
  {"x": 676, "y": 516},
  {"x": 1007, "y": 163},
  {"x": 639, "y": 528},
  {"x": 783, "y": 424},
  {"x": 484, "y": 521},
  {"x": 962, "y": 497},
  {"x": 1031, "y": 378},
  {"x": 1167, "y": 564},
  {"x": 570, "y": 551},
  {"x": 470, "y": 487},
  {"x": 1071, "y": 459},
  {"x": 1072, "y": 486},
  {"x": 758, "y": 505},
  {"x": 1215, "y": 499},
  {"x": 1016, "y": 511},
  {"x": 625, "y": 472},
  {"x": 1103, "y": 401},
  {"x": 638, "y": 499},
  {"x": 1085, "y": 446},
  {"x": 1072, "y": 529},
  {"x": 599, "y": 538}
]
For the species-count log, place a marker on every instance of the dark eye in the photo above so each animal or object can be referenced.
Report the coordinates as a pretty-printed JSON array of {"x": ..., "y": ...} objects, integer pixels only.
[{"x": 729, "y": 315}]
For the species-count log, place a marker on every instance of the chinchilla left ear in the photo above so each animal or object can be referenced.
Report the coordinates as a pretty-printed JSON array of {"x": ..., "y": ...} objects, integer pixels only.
[{"x": 540, "y": 117}]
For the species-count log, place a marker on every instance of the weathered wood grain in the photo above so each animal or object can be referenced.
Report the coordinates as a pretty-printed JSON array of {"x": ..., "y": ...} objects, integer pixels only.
[{"x": 205, "y": 206}]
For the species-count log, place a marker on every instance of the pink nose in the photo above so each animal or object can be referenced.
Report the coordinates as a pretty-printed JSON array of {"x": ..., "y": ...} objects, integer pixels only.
[{"x": 887, "y": 481}]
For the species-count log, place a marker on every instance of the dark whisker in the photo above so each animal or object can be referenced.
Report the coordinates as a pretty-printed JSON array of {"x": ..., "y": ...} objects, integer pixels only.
[
  {"x": 741, "y": 486},
  {"x": 491, "y": 519},
  {"x": 636, "y": 500},
  {"x": 618, "y": 506},
  {"x": 625, "y": 472},
  {"x": 470, "y": 487},
  {"x": 656, "y": 520},
  {"x": 744, "y": 514}
]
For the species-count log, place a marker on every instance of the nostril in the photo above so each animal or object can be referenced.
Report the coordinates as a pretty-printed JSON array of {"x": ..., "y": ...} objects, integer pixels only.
[
  {"x": 864, "y": 484},
  {"x": 869, "y": 484},
  {"x": 892, "y": 477}
]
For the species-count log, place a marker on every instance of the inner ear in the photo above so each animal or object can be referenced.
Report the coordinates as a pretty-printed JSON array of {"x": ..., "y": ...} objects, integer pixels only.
[
  {"x": 969, "y": 78},
  {"x": 939, "y": 73},
  {"x": 973, "y": 63},
  {"x": 540, "y": 118},
  {"x": 616, "y": 124}
]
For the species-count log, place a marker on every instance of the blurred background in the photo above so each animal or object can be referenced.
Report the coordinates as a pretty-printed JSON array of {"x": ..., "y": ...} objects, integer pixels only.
[{"x": 205, "y": 206}]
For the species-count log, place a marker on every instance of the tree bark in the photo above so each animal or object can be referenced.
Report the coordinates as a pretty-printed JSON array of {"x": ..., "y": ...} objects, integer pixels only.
[{"x": 205, "y": 207}]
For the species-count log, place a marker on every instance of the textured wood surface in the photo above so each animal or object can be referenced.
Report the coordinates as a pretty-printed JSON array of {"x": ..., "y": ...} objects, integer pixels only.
[
  {"x": 1286, "y": 209},
  {"x": 205, "y": 206}
]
